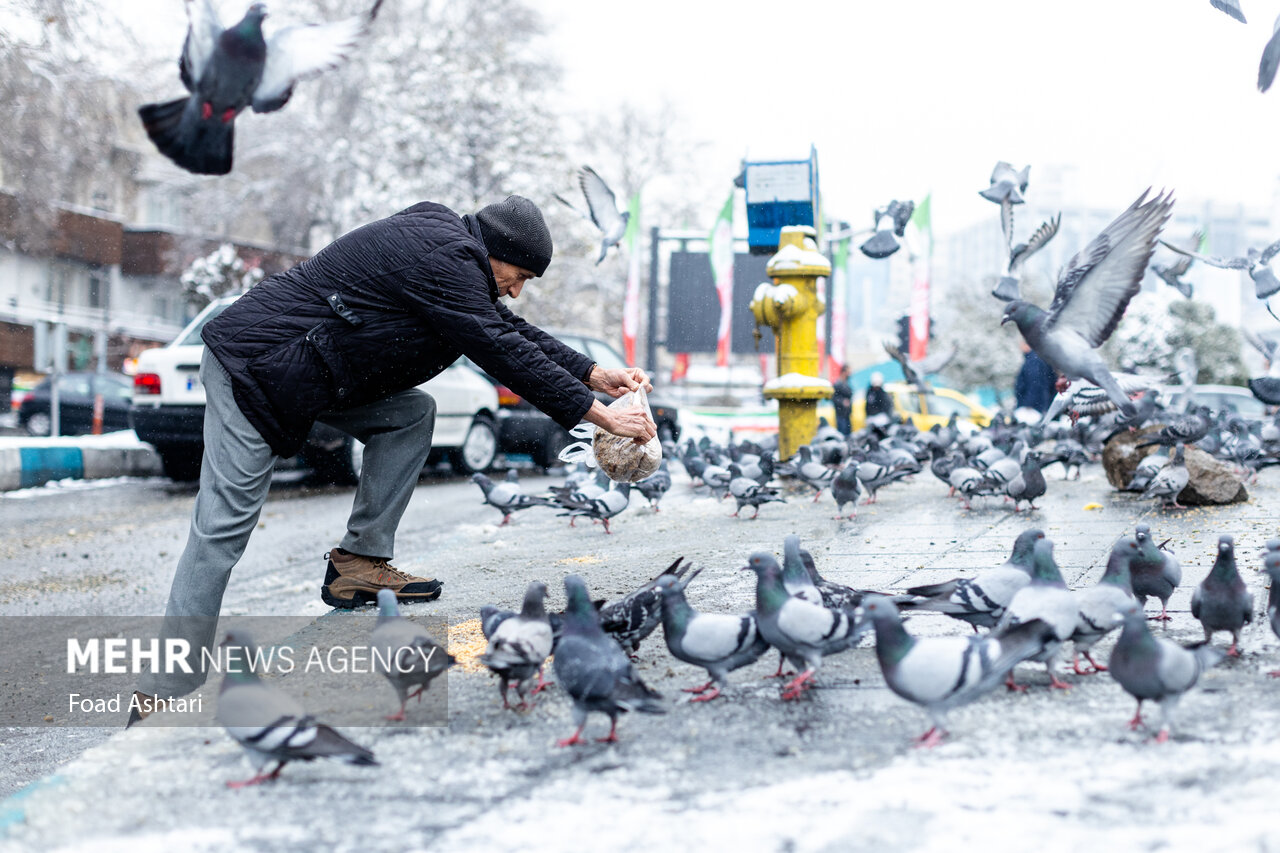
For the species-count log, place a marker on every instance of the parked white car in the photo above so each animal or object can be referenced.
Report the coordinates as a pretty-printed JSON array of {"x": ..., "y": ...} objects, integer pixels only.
[{"x": 168, "y": 412}]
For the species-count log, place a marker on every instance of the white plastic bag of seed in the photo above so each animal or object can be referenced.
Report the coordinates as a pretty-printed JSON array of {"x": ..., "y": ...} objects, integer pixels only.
[{"x": 620, "y": 457}]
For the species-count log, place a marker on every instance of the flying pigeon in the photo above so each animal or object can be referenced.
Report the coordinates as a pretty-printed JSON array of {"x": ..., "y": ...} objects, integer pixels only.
[
  {"x": 1170, "y": 481},
  {"x": 1084, "y": 399},
  {"x": 507, "y": 498},
  {"x": 941, "y": 673},
  {"x": 403, "y": 652},
  {"x": 1270, "y": 59},
  {"x": 916, "y": 372},
  {"x": 1098, "y": 605},
  {"x": 594, "y": 671},
  {"x": 1008, "y": 287},
  {"x": 981, "y": 600},
  {"x": 1231, "y": 7},
  {"x": 1271, "y": 565},
  {"x": 1222, "y": 602},
  {"x": 891, "y": 223},
  {"x": 1007, "y": 184},
  {"x": 269, "y": 723},
  {"x": 802, "y": 631},
  {"x": 227, "y": 70},
  {"x": 1046, "y": 598},
  {"x": 1091, "y": 297},
  {"x": 1150, "y": 668},
  {"x": 602, "y": 209},
  {"x": 717, "y": 642},
  {"x": 1154, "y": 571},
  {"x": 1173, "y": 273},
  {"x": 632, "y": 618},
  {"x": 1265, "y": 281},
  {"x": 520, "y": 646}
]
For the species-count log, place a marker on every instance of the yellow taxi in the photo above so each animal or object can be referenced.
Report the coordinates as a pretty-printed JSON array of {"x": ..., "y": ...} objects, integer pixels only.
[{"x": 925, "y": 410}]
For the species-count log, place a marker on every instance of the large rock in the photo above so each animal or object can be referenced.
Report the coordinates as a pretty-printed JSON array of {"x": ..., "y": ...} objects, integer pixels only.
[{"x": 1211, "y": 481}]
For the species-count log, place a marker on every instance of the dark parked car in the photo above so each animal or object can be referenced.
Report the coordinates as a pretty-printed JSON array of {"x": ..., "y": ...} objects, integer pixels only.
[
  {"x": 524, "y": 429},
  {"x": 76, "y": 392}
]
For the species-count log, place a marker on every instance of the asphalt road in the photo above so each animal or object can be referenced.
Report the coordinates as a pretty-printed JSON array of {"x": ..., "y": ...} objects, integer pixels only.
[{"x": 1057, "y": 769}]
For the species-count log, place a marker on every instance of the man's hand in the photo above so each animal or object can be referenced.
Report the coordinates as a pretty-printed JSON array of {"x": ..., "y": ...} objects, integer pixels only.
[
  {"x": 629, "y": 423},
  {"x": 618, "y": 380}
]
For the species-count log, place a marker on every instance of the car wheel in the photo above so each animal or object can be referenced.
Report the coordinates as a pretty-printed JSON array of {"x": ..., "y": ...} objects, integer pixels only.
[
  {"x": 39, "y": 424},
  {"x": 478, "y": 449},
  {"x": 181, "y": 464},
  {"x": 549, "y": 452},
  {"x": 341, "y": 466}
]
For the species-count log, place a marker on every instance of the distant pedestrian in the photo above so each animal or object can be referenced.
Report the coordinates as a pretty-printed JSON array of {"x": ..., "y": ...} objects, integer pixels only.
[
  {"x": 842, "y": 400},
  {"x": 1034, "y": 388},
  {"x": 878, "y": 400}
]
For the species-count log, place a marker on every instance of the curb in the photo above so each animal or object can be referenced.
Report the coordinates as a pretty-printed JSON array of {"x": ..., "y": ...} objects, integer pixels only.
[{"x": 25, "y": 467}]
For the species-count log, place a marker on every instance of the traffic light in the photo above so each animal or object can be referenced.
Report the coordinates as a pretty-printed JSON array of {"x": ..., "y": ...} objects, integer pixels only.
[{"x": 904, "y": 334}]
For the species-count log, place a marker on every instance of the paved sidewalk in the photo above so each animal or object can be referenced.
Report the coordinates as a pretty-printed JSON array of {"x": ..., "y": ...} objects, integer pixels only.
[{"x": 749, "y": 772}]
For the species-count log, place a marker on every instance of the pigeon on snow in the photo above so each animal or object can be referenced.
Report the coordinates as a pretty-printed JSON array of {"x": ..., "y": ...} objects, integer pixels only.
[
  {"x": 748, "y": 492},
  {"x": 506, "y": 497},
  {"x": 594, "y": 671},
  {"x": 941, "y": 673},
  {"x": 404, "y": 653},
  {"x": 1154, "y": 571},
  {"x": 1271, "y": 565},
  {"x": 1091, "y": 296},
  {"x": 1098, "y": 605},
  {"x": 602, "y": 209},
  {"x": 269, "y": 723},
  {"x": 603, "y": 508},
  {"x": 227, "y": 70},
  {"x": 1222, "y": 602},
  {"x": 520, "y": 646},
  {"x": 632, "y": 618},
  {"x": 1155, "y": 669},
  {"x": 717, "y": 642},
  {"x": 981, "y": 600},
  {"x": 1046, "y": 598}
]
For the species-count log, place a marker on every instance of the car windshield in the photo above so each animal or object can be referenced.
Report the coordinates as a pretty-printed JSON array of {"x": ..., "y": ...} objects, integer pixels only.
[
  {"x": 192, "y": 337},
  {"x": 946, "y": 406}
]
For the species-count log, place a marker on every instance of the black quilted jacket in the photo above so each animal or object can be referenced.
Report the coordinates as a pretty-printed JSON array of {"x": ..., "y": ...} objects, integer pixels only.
[{"x": 379, "y": 310}]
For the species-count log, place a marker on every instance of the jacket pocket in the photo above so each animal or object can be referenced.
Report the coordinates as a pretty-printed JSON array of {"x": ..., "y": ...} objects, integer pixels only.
[{"x": 320, "y": 337}]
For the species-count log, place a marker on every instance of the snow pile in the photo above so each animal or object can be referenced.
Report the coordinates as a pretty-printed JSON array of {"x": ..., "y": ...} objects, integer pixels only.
[{"x": 796, "y": 380}]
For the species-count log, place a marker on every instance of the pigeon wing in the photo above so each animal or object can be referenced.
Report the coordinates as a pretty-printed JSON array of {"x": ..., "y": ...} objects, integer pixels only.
[
  {"x": 936, "y": 361},
  {"x": 1269, "y": 253},
  {"x": 600, "y": 200},
  {"x": 1231, "y": 7},
  {"x": 298, "y": 52},
  {"x": 1006, "y": 222},
  {"x": 1035, "y": 243},
  {"x": 1270, "y": 60},
  {"x": 1096, "y": 287},
  {"x": 1212, "y": 260},
  {"x": 202, "y": 38}
]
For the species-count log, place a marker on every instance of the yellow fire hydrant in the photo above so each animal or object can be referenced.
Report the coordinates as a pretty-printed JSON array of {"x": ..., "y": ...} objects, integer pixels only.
[{"x": 791, "y": 307}]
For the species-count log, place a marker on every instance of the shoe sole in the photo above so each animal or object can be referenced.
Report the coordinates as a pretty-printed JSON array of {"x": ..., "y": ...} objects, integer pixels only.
[{"x": 360, "y": 598}]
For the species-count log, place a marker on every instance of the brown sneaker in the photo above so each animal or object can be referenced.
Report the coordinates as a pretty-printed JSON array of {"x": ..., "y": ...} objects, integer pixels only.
[
  {"x": 143, "y": 706},
  {"x": 352, "y": 580}
]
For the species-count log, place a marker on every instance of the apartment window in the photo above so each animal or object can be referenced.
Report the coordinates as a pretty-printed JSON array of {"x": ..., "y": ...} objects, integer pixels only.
[{"x": 99, "y": 295}]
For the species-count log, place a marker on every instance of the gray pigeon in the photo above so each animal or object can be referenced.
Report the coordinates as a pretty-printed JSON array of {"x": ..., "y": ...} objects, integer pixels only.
[
  {"x": 1007, "y": 184},
  {"x": 1187, "y": 428},
  {"x": 747, "y": 492},
  {"x": 1008, "y": 288},
  {"x": 506, "y": 497},
  {"x": 1170, "y": 481},
  {"x": 655, "y": 485},
  {"x": 1046, "y": 598},
  {"x": 1173, "y": 273},
  {"x": 1265, "y": 281},
  {"x": 632, "y": 618},
  {"x": 1231, "y": 7},
  {"x": 602, "y": 210},
  {"x": 269, "y": 723},
  {"x": 1222, "y": 602},
  {"x": 1146, "y": 472},
  {"x": 1271, "y": 565},
  {"x": 1029, "y": 484},
  {"x": 519, "y": 646},
  {"x": 941, "y": 673},
  {"x": 1149, "y": 668},
  {"x": 717, "y": 642},
  {"x": 603, "y": 508},
  {"x": 981, "y": 600},
  {"x": 845, "y": 488},
  {"x": 891, "y": 223},
  {"x": 404, "y": 653},
  {"x": 802, "y": 631},
  {"x": 1155, "y": 571},
  {"x": 875, "y": 477},
  {"x": 1091, "y": 296},
  {"x": 813, "y": 473},
  {"x": 1098, "y": 605},
  {"x": 594, "y": 671},
  {"x": 1270, "y": 59},
  {"x": 227, "y": 70}
]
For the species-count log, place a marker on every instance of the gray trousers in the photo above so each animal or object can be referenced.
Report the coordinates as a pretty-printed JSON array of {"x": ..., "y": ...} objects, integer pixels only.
[{"x": 235, "y": 475}]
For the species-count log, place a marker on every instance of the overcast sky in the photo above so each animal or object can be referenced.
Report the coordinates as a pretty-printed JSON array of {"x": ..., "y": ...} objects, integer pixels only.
[{"x": 904, "y": 97}]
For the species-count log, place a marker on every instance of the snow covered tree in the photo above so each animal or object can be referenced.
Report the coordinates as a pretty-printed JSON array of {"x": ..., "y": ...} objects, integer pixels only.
[
  {"x": 218, "y": 273},
  {"x": 1140, "y": 343},
  {"x": 1217, "y": 345}
]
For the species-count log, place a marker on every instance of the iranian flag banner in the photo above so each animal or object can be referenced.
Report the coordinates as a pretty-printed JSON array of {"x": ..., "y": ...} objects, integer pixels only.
[
  {"x": 631, "y": 301},
  {"x": 721, "y": 256},
  {"x": 921, "y": 261}
]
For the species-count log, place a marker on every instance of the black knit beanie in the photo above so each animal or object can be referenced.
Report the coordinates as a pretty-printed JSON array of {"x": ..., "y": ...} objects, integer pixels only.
[{"x": 513, "y": 231}]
